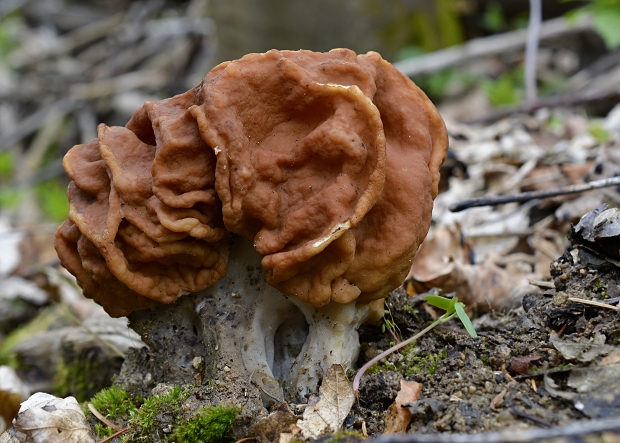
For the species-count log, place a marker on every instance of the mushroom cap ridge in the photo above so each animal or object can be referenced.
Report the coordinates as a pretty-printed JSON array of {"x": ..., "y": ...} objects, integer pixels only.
[{"x": 329, "y": 162}]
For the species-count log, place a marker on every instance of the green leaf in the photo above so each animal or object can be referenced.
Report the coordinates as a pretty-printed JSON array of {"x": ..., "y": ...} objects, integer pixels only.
[
  {"x": 572, "y": 17},
  {"x": 53, "y": 199},
  {"x": 439, "y": 302},
  {"x": 465, "y": 320},
  {"x": 10, "y": 197},
  {"x": 6, "y": 165},
  {"x": 607, "y": 24}
]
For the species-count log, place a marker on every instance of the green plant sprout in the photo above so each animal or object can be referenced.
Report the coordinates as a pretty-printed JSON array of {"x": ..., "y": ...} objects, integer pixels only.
[
  {"x": 452, "y": 306},
  {"x": 390, "y": 325}
]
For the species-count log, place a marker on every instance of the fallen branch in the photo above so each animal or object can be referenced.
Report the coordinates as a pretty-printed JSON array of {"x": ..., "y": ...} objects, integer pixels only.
[
  {"x": 527, "y": 196},
  {"x": 550, "y": 102},
  {"x": 531, "y": 50},
  {"x": 481, "y": 47},
  {"x": 578, "y": 428},
  {"x": 594, "y": 303},
  {"x": 33, "y": 122},
  {"x": 101, "y": 418}
]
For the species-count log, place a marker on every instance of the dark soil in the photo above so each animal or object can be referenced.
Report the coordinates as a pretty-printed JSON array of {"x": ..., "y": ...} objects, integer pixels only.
[{"x": 498, "y": 379}]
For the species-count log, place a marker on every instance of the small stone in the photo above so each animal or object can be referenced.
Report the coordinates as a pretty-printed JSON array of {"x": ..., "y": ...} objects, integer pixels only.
[
  {"x": 560, "y": 298},
  {"x": 543, "y": 401},
  {"x": 198, "y": 363},
  {"x": 167, "y": 429},
  {"x": 148, "y": 379},
  {"x": 226, "y": 369},
  {"x": 488, "y": 386},
  {"x": 472, "y": 389}
]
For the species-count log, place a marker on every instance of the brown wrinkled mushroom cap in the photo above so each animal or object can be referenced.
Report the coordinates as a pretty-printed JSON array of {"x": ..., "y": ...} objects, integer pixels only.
[
  {"x": 329, "y": 162},
  {"x": 138, "y": 231}
]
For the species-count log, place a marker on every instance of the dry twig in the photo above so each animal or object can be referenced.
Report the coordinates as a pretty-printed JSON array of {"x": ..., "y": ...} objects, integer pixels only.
[
  {"x": 580, "y": 428},
  {"x": 101, "y": 418},
  {"x": 527, "y": 196}
]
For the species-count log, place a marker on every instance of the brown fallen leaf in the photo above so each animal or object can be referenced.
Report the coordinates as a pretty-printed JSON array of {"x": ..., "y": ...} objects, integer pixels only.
[
  {"x": 611, "y": 359},
  {"x": 44, "y": 418},
  {"x": 443, "y": 262},
  {"x": 521, "y": 364},
  {"x": 336, "y": 398},
  {"x": 498, "y": 400},
  {"x": 397, "y": 417}
]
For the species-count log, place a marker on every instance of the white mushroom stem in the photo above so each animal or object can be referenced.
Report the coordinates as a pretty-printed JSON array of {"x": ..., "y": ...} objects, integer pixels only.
[
  {"x": 283, "y": 341},
  {"x": 332, "y": 339}
]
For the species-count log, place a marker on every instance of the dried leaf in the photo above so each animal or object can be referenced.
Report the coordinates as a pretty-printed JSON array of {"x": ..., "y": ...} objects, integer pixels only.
[
  {"x": 597, "y": 390},
  {"x": 611, "y": 359},
  {"x": 397, "y": 417},
  {"x": 584, "y": 352},
  {"x": 335, "y": 402},
  {"x": 521, "y": 364},
  {"x": 44, "y": 418}
]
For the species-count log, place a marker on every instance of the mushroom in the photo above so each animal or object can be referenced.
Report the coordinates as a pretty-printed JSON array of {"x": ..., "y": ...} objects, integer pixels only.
[{"x": 288, "y": 192}]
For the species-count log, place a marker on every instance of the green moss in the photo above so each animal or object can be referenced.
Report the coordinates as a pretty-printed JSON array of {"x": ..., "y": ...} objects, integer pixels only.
[
  {"x": 116, "y": 405},
  {"x": 145, "y": 421},
  {"x": 114, "y": 402},
  {"x": 409, "y": 309},
  {"x": 210, "y": 425},
  {"x": 409, "y": 362},
  {"x": 76, "y": 379},
  {"x": 600, "y": 289}
]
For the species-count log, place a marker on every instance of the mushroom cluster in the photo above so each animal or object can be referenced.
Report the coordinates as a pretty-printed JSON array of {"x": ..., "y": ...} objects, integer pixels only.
[{"x": 328, "y": 163}]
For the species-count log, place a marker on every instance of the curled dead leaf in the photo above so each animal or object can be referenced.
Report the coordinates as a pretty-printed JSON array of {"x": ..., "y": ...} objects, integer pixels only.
[{"x": 398, "y": 417}]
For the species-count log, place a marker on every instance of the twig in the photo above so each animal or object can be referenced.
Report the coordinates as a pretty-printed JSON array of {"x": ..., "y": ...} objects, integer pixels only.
[
  {"x": 121, "y": 83},
  {"x": 64, "y": 45},
  {"x": 594, "y": 303},
  {"x": 531, "y": 417},
  {"x": 31, "y": 123},
  {"x": 526, "y": 196},
  {"x": 243, "y": 440},
  {"x": 480, "y": 47},
  {"x": 581, "y": 427},
  {"x": 101, "y": 418},
  {"x": 550, "y": 102},
  {"x": 542, "y": 284},
  {"x": 113, "y": 436},
  {"x": 531, "y": 50}
]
